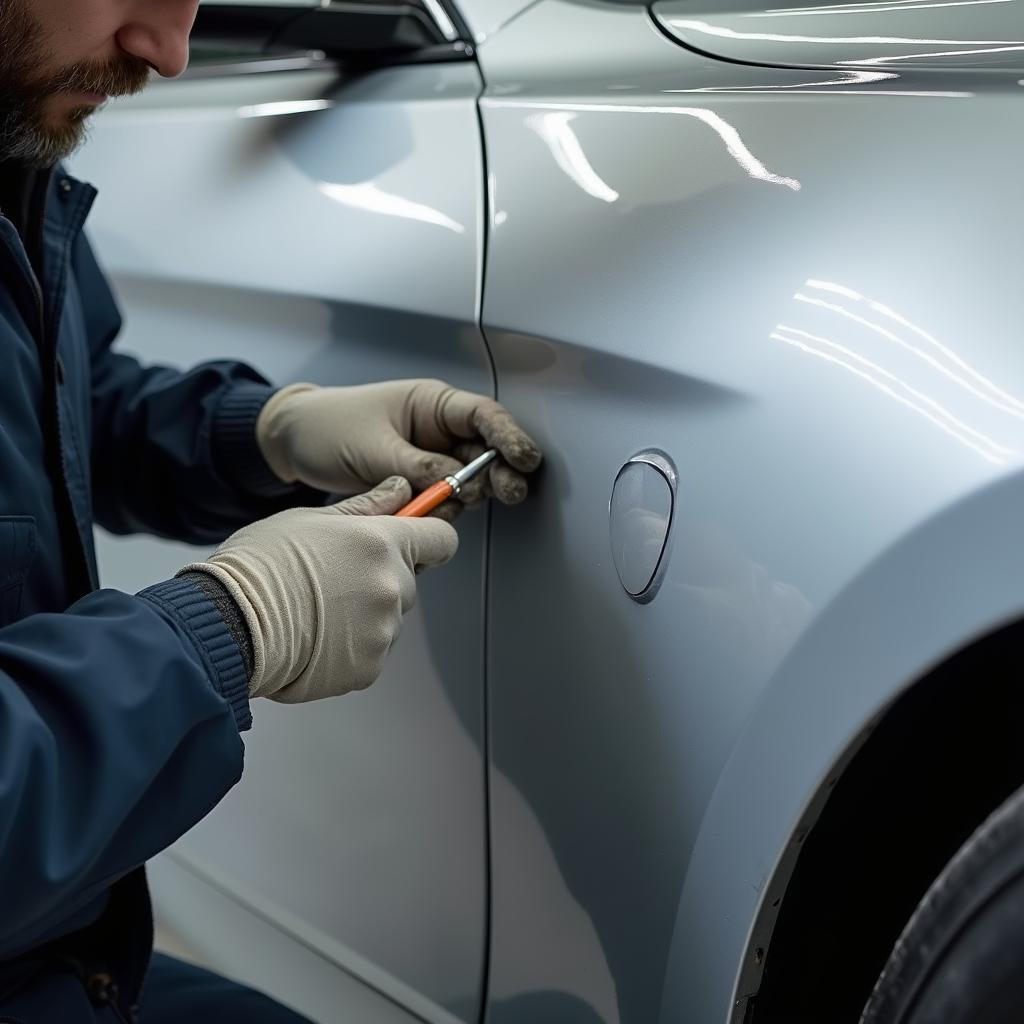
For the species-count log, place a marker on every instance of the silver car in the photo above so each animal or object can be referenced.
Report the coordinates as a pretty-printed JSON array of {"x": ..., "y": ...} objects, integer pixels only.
[{"x": 688, "y": 738}]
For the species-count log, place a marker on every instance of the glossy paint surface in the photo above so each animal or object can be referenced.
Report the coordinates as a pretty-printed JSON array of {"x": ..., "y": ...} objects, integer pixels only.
[
  {"x": 250, "y": 948},
  {"x": 327, "y": 232},
  {"x": 801, "y": 284},
  {"x": 486, "y": 17},
  {"x": 943, "y": 35},
  {"x": 796, "y": 286}
]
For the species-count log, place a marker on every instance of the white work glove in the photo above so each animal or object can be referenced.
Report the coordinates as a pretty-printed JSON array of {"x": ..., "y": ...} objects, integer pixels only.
[
  {"x": 345, "y": 439},
  {"x": 323, "y": 590}
]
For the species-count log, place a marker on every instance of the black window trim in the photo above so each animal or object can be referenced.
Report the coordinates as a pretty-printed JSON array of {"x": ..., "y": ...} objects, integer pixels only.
[{"x": 357, "y": 34}]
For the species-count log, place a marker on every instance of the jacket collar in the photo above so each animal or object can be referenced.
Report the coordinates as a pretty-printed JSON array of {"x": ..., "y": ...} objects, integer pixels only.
[{"x": 68, "y": 204}]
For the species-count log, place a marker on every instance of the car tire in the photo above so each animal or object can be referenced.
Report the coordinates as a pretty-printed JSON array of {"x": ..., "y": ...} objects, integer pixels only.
[{"x": 961, "y": 957}]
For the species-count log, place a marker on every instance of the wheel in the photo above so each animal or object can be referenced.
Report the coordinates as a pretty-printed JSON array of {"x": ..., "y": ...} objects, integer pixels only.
[{"x": 960, "y": 960}]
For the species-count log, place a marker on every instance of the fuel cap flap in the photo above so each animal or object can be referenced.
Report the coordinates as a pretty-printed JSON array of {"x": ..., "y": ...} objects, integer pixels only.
[{"x": 640, "y": 522}]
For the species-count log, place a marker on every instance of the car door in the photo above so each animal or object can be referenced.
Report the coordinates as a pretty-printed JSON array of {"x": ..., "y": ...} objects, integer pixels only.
[{"x": 309, "y": 198}]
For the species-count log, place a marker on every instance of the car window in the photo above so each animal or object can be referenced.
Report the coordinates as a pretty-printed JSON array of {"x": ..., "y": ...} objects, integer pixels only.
[{"x": 241, "y": 32}]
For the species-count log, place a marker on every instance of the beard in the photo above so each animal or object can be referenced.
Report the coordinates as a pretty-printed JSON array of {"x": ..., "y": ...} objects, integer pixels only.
[{"x": 27, "y": 133}]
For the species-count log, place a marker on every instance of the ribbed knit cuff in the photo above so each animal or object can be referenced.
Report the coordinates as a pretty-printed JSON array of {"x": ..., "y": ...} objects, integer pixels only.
[
  {"x": 219, "y": 595},
  {"x": 236, "y": 451},
  {"x": 205, "y": 626}
]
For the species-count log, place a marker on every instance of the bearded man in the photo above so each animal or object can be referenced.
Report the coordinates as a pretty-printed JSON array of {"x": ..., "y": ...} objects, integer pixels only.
[{"x": 120, "y": 714}]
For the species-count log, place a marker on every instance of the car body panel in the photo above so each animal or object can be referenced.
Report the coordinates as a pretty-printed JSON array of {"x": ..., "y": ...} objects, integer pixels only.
[
  {"x": 486, "y": 18},
  {"x": 328, "y": 232},
  {"x": 949, "y": 582},
  {"x": 271, "y": 954},
  {"x": 789, "y": 281},
  {"x": 894, "y": 37},
  {"x": 770, "y": 287}
]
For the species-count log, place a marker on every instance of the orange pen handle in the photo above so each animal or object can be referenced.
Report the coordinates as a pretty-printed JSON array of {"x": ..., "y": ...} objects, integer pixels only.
[{"x": 426, "y": 502}]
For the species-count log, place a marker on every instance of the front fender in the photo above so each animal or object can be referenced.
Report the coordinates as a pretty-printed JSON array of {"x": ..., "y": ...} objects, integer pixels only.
[{"x": 955, "y": 578}]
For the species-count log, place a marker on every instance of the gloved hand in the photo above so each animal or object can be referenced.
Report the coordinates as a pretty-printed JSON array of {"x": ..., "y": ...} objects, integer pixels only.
[
  {"x": 323, "y": 590},
  {"x": 343, "y": 439}
]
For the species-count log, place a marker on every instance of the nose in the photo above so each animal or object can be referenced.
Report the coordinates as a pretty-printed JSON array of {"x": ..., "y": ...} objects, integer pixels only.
[{"x": 157, "y": 31}]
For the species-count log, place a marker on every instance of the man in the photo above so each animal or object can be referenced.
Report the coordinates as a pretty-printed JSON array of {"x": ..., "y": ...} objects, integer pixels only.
[{"x": 120, "y": 714}]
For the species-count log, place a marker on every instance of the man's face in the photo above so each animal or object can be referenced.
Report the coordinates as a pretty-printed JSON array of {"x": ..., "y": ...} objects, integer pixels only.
[{"x": 61, "y": 59}]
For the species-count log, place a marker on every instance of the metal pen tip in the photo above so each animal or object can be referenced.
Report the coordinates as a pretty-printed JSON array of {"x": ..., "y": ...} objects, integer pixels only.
[{"x": 471, "y": 469}]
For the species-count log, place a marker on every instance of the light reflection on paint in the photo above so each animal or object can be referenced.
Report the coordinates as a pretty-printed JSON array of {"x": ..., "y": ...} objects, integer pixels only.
[
  {"x": 689, "y": 24},
  {"x": 891, "y": 385},
  {"x": 828, "y": 86},
  {"x": 734, "y": 144},
  {"x": 924, "y": 94},
  {"x": 283, "y": 107},
  {"x": 877, "y": 7},
  {"x": 500, "y": 216},
  {"x": 441, "y": 19},
  {"x": 367, "y": 196},
  {"x": 849, "y": 78},
  {"x": 933, "y": 53},
  {"x": 981, "y": 387},
  {"x": 555, "y": 129}
]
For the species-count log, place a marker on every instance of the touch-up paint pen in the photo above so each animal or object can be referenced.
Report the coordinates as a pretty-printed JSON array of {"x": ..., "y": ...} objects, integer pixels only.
[{"x": 440, "y": 492}]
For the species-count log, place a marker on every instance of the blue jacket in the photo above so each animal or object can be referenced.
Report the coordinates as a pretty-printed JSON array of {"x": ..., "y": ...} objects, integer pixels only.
[{"x": 119, "y": 714}]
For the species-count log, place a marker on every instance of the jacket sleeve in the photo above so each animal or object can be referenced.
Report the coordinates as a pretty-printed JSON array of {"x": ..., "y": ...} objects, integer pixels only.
[
  {"x": 173, "y": 454},
  {"x": 119, "y": 730}
]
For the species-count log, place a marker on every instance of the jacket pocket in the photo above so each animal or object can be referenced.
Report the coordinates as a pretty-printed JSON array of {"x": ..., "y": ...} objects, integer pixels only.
[{"x": 17, "y": 551}]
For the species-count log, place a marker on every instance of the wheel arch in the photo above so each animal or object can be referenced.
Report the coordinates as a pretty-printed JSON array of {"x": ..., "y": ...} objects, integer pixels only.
[{"x": 908, "y": 793}]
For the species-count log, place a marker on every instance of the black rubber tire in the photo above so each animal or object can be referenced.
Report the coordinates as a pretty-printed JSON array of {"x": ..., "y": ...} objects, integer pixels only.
[{"x": 960, "y": 960}]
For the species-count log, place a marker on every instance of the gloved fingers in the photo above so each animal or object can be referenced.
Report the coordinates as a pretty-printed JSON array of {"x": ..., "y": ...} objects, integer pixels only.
[
  {"x": 407, "y": 592},
  {"x": 467, "y": 415},
  {"x": 478, "y": 489},
  {"x": 430, "y": 541},
  {"x": 508, "y": 486},
  {"x": 449, "y": 511},
  {"x": 495, "y": 425},
  {"x": 384, "y": 500},
  {"x": 499, "y": 481},
  {"x": 438, "y": 414},
  {"x": 467, "y": 451},
  {"x": 421, "y": 468}
]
